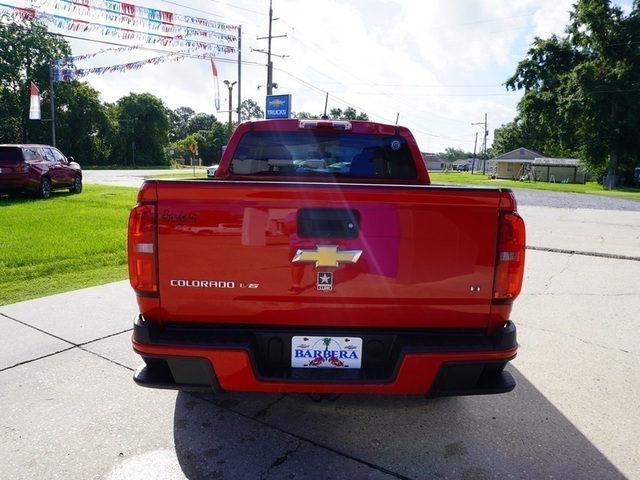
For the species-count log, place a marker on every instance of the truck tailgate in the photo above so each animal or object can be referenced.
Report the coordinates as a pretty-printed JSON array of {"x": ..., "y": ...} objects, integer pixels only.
[{"x": 322, "y": 254}]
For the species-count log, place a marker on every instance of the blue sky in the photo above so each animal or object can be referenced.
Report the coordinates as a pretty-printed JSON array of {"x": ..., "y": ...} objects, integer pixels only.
[{"x": 437, "y": 65}]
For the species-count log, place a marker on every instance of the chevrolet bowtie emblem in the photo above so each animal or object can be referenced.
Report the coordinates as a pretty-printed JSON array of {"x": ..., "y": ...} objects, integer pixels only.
[{"x": 327, "y": 256}]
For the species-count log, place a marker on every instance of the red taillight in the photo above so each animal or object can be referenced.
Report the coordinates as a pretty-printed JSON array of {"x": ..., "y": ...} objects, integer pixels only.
[
  {"x": 510, "y": 260},
  {"x": 143, "y": 251}
]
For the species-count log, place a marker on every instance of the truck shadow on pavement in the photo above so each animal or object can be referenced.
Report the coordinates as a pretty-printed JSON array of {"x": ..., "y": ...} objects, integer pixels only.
[{"x": 516, "y": 435}]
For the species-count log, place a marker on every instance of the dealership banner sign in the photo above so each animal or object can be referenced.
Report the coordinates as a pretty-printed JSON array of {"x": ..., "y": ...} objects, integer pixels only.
[{"x": 278, "y": 106}]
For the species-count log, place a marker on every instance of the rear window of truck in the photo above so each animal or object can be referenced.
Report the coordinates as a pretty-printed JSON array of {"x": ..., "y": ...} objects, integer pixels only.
[{"x": 332, "y": 154}]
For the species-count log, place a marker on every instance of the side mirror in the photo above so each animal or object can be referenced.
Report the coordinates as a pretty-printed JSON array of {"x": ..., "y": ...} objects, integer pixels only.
[{"x": 70, "y": 159}]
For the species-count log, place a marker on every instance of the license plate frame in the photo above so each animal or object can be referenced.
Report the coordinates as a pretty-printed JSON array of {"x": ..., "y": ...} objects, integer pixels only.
[{"x": 309, "y": 351}]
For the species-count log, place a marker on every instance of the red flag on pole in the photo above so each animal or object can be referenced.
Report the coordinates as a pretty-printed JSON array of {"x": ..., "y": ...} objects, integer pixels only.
[
  {"x": 216, "y": 85},
  {"x": 34, "y": 106}
]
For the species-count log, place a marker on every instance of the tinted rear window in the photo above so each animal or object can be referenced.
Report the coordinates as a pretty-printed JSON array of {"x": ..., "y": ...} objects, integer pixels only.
[
  {"x": 304, "y": 154},
  {"x": 10, "y": 155}
]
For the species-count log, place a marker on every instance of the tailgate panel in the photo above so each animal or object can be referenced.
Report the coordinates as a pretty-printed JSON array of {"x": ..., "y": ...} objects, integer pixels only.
[{"x": 226, "y": 249}]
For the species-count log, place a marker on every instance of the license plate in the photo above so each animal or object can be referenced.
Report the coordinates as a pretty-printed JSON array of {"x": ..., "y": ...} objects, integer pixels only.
[{"x": 326, "y": 352}]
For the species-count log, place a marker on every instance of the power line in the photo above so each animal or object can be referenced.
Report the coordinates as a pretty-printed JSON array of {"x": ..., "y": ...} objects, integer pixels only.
[
  {"x": 191, "y": 8},
  {"x": 138, "y": 47},
  {"x": 348, "y": 104},
  {"x": 322, "y": 53},
  {"x": 237, "y": 7}
]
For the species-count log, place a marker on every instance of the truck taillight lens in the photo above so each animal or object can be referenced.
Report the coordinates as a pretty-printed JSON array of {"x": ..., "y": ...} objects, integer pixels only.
[
  {"x": 510, "y": 260},
  {"x": 143, "y": 251}
]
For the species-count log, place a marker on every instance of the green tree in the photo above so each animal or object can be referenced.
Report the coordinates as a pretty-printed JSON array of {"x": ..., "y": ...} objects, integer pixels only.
[
  {"x": 305, "y": 116},
  {"x": 250, "y": 110},
  {"x": 200, "y": 122},
  {"x": 143, "y": 130},
  {"x": 26, "y": 55},
  {"x": 582, "y": 91},
  {"x": 83, "y": 128},
  {"x": 210, "y": 143},
  {"x": 453, "y": 154},
  {"x": 519, "y": 133},
  {"x": 178, "y": 122},
  {"x": 351, "y": 114},
  {"x": 335, "y": 113}
]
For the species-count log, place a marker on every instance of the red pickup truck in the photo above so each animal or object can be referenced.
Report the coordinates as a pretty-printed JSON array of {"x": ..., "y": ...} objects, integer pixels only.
[{"x": 319, "y": 259}]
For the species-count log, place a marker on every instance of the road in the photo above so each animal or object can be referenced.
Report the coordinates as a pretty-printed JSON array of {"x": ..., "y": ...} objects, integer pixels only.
[
  {"x": 69, "y": 409},
  {"x": 122, "y": 178}
]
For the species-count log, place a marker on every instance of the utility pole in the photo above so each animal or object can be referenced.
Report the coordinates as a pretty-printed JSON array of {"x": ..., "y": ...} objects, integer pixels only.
[
  {"x": 239, "y": 71},
  {"x": 269, "y": 64},
  {"x": 484, "y": 142},
  {"x": 484, "y": 156},
  {"x": 475, "y": 144},
  {"x": 270, "y": 84},
  {"x": 53, "y": 108}
]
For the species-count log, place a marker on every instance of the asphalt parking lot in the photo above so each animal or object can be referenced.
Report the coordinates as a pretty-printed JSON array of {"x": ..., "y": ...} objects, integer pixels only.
[{"x": 70, "y": 410}]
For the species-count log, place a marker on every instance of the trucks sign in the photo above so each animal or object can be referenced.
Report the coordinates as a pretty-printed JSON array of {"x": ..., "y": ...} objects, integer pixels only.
[{"x": 278, "y": 106}]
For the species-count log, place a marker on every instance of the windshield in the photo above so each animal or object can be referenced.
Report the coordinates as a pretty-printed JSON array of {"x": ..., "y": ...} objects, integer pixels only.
[{"x": 304, "y": 154}]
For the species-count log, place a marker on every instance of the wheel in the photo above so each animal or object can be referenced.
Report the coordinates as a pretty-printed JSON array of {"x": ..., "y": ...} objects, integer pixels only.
[
  {"x": 44, "y": 191},
  {"x": 77, "y": 184}
]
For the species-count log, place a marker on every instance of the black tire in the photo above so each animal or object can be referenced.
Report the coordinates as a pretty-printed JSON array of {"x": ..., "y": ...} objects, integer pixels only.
[
  {"x": 77, "y": 184},
  {"x": 44, "y": 190}
]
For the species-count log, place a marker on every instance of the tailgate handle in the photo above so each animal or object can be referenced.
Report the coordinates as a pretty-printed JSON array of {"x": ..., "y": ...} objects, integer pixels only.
[{"x": 328, "y": 223}]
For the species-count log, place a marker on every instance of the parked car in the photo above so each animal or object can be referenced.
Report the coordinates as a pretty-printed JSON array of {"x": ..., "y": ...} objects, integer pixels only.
[
  {"x": 38, "y": 169},
  {"x": 211, "y": 171}
]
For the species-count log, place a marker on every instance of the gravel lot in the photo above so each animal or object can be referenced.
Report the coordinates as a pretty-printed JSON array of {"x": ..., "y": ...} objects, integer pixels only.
[{"x": 542, "y": 198}]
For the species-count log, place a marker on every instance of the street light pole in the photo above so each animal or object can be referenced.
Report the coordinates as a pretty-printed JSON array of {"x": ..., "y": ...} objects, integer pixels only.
[{"x": 230, "y": 87}]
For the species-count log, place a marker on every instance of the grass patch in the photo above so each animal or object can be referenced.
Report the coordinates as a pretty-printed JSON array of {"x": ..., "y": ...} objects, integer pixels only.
[
  {"x": 65, "y": 243},
  {"x": 592, "y": 188}
]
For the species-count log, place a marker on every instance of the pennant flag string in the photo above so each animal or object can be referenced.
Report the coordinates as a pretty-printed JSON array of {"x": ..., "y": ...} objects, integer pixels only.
[
  {"x": 129, "y": 13},
  {"x": 59, "y": 73},
  {"x": 66, "y": 74},
  {"x": 22, "y": 14},
  {"x": 77, "y": 58},
  {"x": 128, "y": 34},
  {"x": 168, "y": 29}
]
